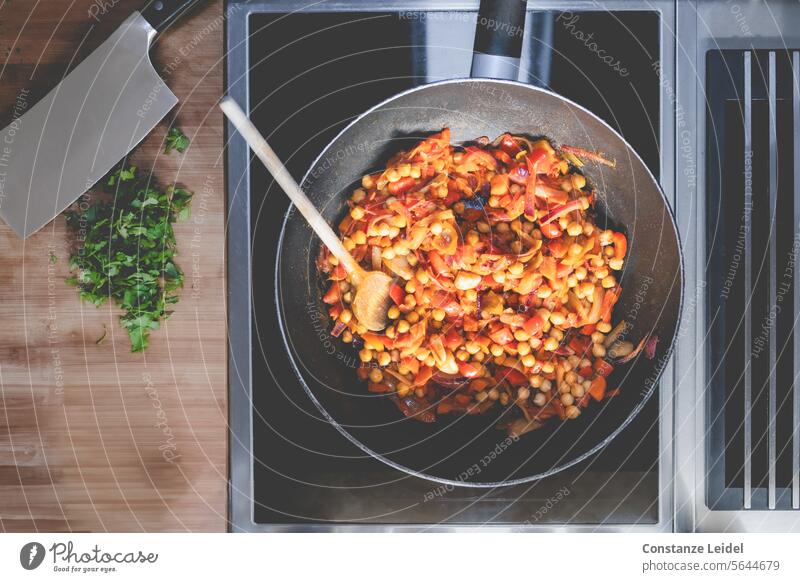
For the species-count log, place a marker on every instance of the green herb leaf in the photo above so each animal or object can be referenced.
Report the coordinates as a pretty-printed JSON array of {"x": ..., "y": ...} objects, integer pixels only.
[
  {"x": 175, "y": 140},
  {"x": 127, "y": 251}
]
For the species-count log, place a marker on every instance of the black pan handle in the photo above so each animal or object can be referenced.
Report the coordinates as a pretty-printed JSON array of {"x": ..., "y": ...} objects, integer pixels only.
[
  {"x": 498, "y": 39},
  {"x": 163, "y": 13}
]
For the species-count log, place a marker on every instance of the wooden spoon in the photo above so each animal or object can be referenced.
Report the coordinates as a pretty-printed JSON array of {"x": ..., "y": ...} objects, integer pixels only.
[{"x": 372, "y": 299}]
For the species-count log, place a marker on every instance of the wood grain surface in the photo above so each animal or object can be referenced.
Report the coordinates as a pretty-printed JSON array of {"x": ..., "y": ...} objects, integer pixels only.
[{"x": 93, "y": 437}]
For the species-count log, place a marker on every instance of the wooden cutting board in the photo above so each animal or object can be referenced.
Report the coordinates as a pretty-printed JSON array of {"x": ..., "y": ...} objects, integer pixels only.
[{"x": 92, "y": 436}]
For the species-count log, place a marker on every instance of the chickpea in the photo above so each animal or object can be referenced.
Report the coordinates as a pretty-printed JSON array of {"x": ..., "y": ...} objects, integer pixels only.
[
  {"x": 410, "y": 287},
  {"x": 556, "y": 334},
  {"x": 459, "y": 208},
  {"x": 496, "y": 350},
  {"x": 529, "y": 361},
  {"x": 535, "y": 381},
  {"x": 345, "y": 316},
  {"x": 598, "y": 351},
  {"x": 516, "y": 268},
  {"x": 521, "y": 335},
  {"x": 580, "y": 273},
  {"x": 348, "y": 243},
  {"x": 438, "y": 314},
  {"x": 403, "y": 389},
  {"x": 483, "y": 227},
  {"x": 523, "y": 393},
  {"x": 571, "y": 377},
  {"x": 573, "y": 412},
  {"x": 503, "y": 227},
  {"x": 499, "y": 276},
  {"x": 359, "y": 194},
  {"x": 540, "y": 399},
  {"x": 578, "y": 181},
  {"x": 384, "y": 358},
  {"x": 412, "y": 317},
  {"x": 551, "y": 344},
  {"x": 375, "y": 375},
  {"x": 543, "y": 292},
  {"x": 574, "y": 229},
  {"x": 564, "y": 388},
  {"x": 578, "y": 390},
  {"x": 608, "y": 282},
  {"x": 357, "y": 213},
  {"x": 388, "y": 253},
  {"x": 575, "y": 249},
  {"x": 546, "y": 386},
  {"x": 481, "y": 396},
  {"x": 616, "y": 264},
  {"x": 422, "y": 276},
  {"x": 365, "y": 355},
  {"x": 557, "y": 318},
  {"x": 494, "y": 394},
  {"x": 548, "y": 367},
  {"x": 597, "y": 337},
  {"x": 403, "y": 326},
  {"x": 347, "y": 336},
  {"x": 603, "y": 327},
  {"x": 523, "y": 348},
  {"x": 567, "y": 399}
]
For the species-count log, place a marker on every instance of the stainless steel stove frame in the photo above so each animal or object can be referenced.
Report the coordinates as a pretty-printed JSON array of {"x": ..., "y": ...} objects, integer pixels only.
[
  {"x": 704, "y": 26},
  {"x": 239, "y": 257}
]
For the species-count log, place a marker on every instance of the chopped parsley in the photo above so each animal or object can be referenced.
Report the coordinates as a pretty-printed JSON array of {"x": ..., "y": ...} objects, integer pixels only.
[
  {"x": 175, "y": 140},
  {"x": 125, "y": 251}
]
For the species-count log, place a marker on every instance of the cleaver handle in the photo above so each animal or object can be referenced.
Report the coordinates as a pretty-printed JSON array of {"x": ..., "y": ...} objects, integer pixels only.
[{"x": 163, "y": 13}]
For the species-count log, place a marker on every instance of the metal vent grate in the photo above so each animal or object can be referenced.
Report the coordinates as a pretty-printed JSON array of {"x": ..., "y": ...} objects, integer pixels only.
[{"x": 753, "y": 236}]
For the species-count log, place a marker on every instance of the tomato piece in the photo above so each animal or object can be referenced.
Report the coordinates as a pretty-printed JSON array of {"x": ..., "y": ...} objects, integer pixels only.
[
  {"x": 534, "y": 325},
  {"x": 453, "y": 339},
  {"x": 598, "y": 388},
  {"x": 452, "y": 197},
  {"x": 620, "y": 245},
  {"x": 510, "y": 375},
  {"x": 586, "y": 372},
  {"x": 333, "y": 294},
  {"x": 377, "y": 387},
  {"x": 509, "y": 145},
  {"x": 588, "y": 329},
  {"x": 469, "y": 370},
  {"x": 397, "y": 293},
  {"x": 551, "y": 230},
  {"x": 579, "y": 344},
  {"x": 502, "y": 336},
  {"x": 339, "y": 273},
  {"x": 336, "y": 310},
  {"x": 603, "y": 368}
]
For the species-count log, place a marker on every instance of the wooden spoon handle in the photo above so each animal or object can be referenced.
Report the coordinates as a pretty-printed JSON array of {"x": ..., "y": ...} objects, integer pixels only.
[{"x": 282, "y": 176}]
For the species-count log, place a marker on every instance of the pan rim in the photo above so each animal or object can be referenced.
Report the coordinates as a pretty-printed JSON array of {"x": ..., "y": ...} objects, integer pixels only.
[{"x": 666, "y": 358}]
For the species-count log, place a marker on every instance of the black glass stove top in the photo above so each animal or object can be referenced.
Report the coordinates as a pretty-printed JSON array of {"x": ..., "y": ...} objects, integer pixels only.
[{"x": 309, "y": 75}]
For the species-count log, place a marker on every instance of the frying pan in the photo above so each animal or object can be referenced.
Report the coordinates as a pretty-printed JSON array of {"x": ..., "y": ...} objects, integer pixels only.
[{"x": 469, "y": 450}]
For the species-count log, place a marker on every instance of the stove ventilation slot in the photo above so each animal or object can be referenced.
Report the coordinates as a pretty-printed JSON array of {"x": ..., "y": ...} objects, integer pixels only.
[{"x": 752, "y": 283}]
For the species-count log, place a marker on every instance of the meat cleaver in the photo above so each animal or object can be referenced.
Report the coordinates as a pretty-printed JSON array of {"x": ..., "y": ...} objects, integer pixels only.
[{"x": 97, "y": 114}]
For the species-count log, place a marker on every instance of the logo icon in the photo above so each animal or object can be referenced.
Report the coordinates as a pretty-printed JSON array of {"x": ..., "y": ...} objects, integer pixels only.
[{"x": 31, "y": 555}]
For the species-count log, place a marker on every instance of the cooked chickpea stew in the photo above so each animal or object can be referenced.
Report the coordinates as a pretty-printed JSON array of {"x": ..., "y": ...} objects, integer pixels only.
[{"x": 505, "y": 285}]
